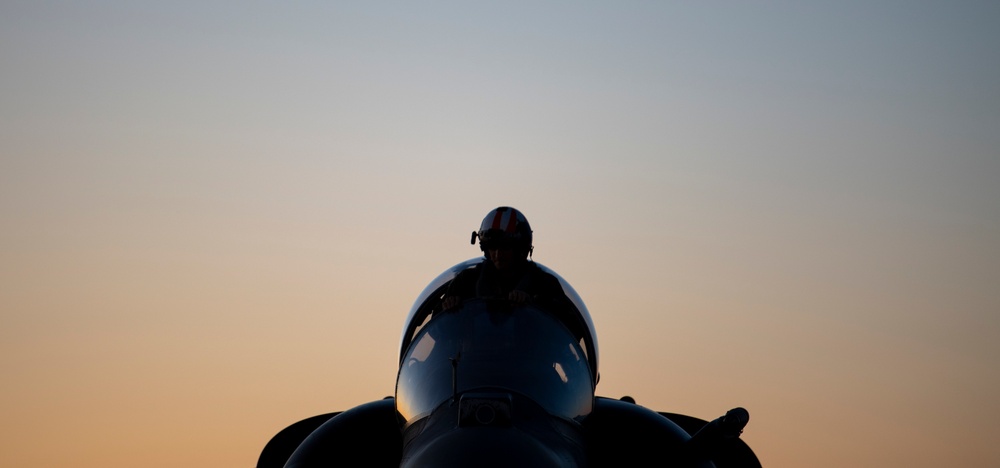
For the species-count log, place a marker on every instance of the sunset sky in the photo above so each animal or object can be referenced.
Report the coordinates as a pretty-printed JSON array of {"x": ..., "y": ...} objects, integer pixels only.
[{"x": 215, "y": 216}]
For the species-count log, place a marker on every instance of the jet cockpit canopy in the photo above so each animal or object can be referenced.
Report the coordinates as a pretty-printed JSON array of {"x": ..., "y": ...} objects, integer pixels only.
[
  {"x": 545, "y": 354},
  {"x": 428, "y": 303}
]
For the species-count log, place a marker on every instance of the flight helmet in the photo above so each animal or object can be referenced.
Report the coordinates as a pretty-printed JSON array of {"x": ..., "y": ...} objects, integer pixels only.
[{"x": 504, "y": 227}]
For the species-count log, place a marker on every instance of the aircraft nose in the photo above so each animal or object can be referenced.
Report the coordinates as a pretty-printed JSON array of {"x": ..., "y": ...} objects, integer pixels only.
[
  {"x": 485, "y": 409},
  {"x": 492, "y": 429},
  {"x": 485, "y": 446}
]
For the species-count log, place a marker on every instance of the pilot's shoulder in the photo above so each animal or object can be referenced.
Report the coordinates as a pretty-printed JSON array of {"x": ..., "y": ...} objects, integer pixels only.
[
  {"x": 465, "y": 278},
  {"x": 541, "y": 278}
]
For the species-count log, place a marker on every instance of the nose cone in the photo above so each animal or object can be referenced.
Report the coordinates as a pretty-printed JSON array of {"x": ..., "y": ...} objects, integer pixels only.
[
  {"x": 492, "y": 430},
  {"x": 487, "y": 447}
]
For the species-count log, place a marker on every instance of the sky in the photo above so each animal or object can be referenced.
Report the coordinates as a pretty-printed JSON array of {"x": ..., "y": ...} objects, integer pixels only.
[{"x": 215, "y": 216}]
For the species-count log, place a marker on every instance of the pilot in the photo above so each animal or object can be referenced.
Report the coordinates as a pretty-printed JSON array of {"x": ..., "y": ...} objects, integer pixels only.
[{"x": 508, "y": 273}]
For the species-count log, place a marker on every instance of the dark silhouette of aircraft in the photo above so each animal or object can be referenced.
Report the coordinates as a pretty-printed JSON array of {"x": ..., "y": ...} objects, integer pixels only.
[{"x": 491, "y": 384}]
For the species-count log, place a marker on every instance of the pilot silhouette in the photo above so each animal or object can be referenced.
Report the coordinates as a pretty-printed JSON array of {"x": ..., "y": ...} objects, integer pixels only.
[{"x": 507, "y": 272}]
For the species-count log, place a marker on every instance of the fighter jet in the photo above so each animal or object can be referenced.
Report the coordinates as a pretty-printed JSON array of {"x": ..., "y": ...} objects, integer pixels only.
[{"x": 493, "y": 384}]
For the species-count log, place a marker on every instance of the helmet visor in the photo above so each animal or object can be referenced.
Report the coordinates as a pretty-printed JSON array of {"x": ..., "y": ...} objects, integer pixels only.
[{"x": 499, "y": 244}]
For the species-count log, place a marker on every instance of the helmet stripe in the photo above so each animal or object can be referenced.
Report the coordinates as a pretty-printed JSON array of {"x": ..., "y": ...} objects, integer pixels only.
[
  {"x": 511, "y": 221},
  {"x": 497, "y": 218},
  {"x": 505, "y": 219}
]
